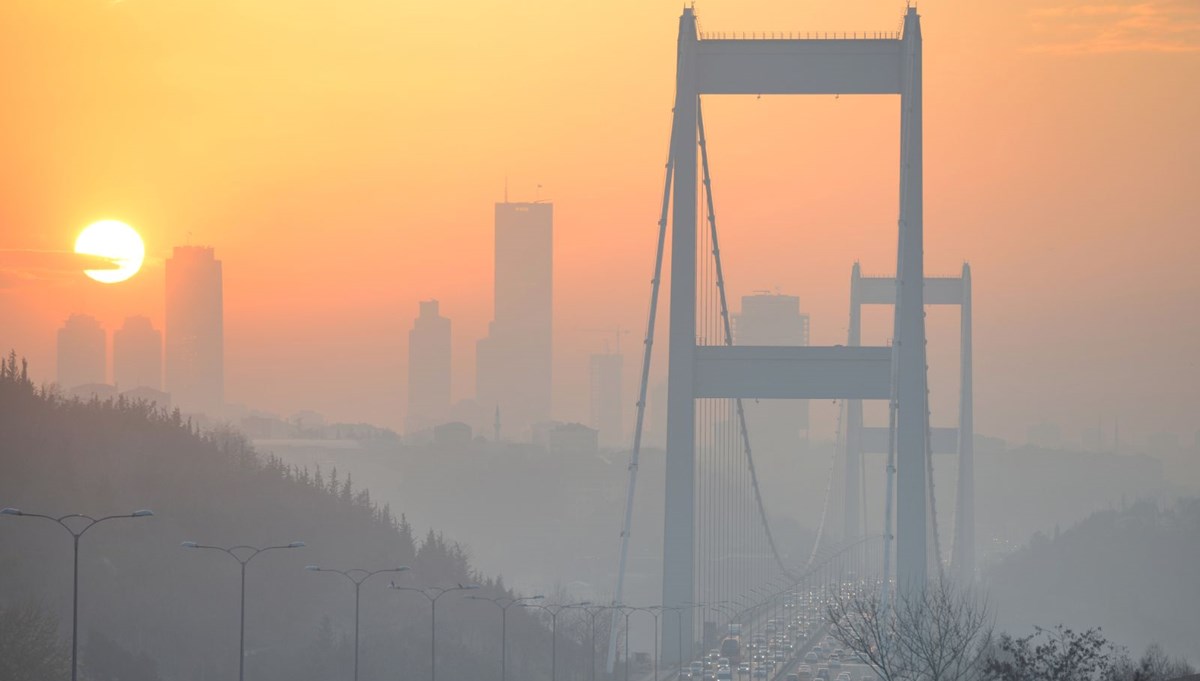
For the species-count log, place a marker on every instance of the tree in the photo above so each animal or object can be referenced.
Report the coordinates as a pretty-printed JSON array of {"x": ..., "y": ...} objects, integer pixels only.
[
  {"x": 1154, "y": 665},
  {"x": 30, "y": 648},
  {"x": 1058, "y": 654},
  {"x": 105, "y": 660},
  {"x": 940, "y": 633}
]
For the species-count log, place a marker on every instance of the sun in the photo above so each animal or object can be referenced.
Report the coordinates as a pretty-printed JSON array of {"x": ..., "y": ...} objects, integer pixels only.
[{"x": 112, "y": 239}]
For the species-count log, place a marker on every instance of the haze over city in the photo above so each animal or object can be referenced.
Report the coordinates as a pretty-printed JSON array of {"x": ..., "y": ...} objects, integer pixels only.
[{"x": 383, "y": 272}]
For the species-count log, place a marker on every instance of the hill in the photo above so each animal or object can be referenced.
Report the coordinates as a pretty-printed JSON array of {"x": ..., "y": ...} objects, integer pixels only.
[
  {"x": 1131, "y": 571},
  {"x": 172, "y": 613}
]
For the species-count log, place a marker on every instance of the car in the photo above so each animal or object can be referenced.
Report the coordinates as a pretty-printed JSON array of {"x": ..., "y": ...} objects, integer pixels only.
[
  {"x": 804, "y": 671},
  {"x": 792, "y": 677},
  {"x": 823, "y": 673},
  {"x": 835, "y": 663},
  {"x": 744, "y": 668},
  {"x": 811, "y": 656},
  {"x": 844, "y": 676},
  {"x": 723, "y": 674},
  {"x": 759, "y": 673}
]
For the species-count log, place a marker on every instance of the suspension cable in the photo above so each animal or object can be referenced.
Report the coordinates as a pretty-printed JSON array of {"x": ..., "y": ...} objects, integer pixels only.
[
  {"x": 642, "y": 388},
  {"x": 728, "y": 332}
]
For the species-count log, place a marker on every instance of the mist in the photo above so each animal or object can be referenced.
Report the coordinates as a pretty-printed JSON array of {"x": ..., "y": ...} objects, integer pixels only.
[{"x": 545, "y": 343}]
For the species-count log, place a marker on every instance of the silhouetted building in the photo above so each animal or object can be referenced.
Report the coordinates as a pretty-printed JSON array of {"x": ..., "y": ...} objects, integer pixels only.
[
  {"x": 94, "y": 391},
  {"x": 137, "y": 355},
  {"x": 147, "y": 394},
  {"x": 82, "y": 352},
  {"x": 565, "y": 438},
  {"x": 1045, "y": 434},
  {"x": 195, "y": 348},
  {"x": 774, "y": 319},
  {"x": 428, "y": 369},
  {"x": 513, "y": 364},
  {"x": 453, "y": 434},
  {"x": 606, "y": 398}
]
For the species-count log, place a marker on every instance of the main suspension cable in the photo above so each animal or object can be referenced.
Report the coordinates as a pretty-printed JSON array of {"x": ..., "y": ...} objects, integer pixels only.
[{"x": 728, "y": 332}]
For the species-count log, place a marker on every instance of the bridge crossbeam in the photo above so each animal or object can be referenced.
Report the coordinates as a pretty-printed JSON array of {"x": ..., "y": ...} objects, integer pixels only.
[{"x": 793, "y": 373}]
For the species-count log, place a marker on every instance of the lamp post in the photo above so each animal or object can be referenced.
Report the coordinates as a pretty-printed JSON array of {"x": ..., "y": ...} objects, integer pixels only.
[
  {"x": 357, "y": 576},
  {"x": 432, "y": 595},
  {"x": 554, "y": 610},
  {"x": 237, "y": 552},
  {"x": 75, "y": 535},
  {"x": 653, "y": 611},
  {"x": 504, "y": 604},
  {"x": 592, "y": 611},
  {"x": 678, "y": 610}
]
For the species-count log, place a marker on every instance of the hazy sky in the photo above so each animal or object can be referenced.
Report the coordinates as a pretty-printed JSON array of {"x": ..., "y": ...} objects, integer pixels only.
[{"x": 343, "y": 158}]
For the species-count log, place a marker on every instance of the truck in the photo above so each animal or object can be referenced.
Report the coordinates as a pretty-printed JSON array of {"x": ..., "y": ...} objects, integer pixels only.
[{"x": 731, "y": 648}]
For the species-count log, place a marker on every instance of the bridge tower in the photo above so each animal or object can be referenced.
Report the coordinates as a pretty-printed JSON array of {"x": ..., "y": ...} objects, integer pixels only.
[
  {"x": 831, "y": 65},
  {"x": 859, "y": 439}
]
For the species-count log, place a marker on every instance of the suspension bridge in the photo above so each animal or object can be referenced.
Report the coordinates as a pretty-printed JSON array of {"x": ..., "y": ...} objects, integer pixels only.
[{"x": 720, "y": 556}]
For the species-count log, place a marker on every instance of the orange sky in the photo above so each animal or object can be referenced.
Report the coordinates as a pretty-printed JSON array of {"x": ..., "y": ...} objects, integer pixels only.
[{"x": 342, "y": 158}]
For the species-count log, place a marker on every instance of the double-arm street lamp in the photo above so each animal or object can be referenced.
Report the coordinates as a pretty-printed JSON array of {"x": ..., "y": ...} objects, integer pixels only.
[
  {"x": 243, "y": 555},
  {"x": 76, "y": 531},
  {"x": 678, "y": 610},
  {"x": 432, "y": 595},
  {"x": 653, "y": 610},
  {"x": 554, "y": 610},
  {"x": 592, "y": 611},
  {"x": 504, "y": 604},
  {"x": 357, "y": 576}
]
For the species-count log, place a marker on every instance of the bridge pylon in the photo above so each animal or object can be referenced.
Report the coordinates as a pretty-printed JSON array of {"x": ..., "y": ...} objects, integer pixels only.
[
  {"x": 859, "y": 439},
  {"x": 873, "y": 64}
]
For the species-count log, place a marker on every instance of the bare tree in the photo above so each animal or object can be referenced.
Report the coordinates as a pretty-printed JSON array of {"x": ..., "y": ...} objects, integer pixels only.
[
  {"x": 1058, "y": 654},
  {"x": 940, "y": 633},
  {"x": 30, "y": 648}
]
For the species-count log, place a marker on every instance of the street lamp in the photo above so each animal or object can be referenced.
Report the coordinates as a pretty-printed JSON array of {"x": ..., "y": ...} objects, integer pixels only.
[
  {"x": 592, "y": 611},
  {"x": 678, "y": 610},
  {"x": 504, "y": 604},
  {"x": 653, "y": 611},
  {"x": 432, "y": 595},
  {"x": 234, "y": 551},
  {"x": 357, "y": 576},
  {"x": 75, "y": 535},
  {"x": 554, "y": 610}
]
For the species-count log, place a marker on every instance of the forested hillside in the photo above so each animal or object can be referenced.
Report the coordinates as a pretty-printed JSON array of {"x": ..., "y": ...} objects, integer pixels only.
[
  {"x": 151, "y": 609},
  {"x": 1135, "y": 572}
]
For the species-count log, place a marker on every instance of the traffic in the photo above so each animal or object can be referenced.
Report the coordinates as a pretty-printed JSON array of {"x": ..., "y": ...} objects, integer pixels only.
[{"x": 792, "y": 647}]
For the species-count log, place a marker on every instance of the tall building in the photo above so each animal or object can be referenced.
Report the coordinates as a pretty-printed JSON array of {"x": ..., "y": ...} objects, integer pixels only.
[
  {"x": 428, "y": 369},
  {"x": 195, "y": 348},
  {"x": 513, "y": 363},
  {"x": 606, "y": 398},
  {"x": 774, "y": 319},
  {"x": 82, "y": 352},
  {"x": 137, "y": 355}
]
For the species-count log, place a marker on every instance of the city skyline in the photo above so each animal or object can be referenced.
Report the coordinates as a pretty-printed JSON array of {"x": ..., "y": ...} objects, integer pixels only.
[{"x": 288, "y": 226}]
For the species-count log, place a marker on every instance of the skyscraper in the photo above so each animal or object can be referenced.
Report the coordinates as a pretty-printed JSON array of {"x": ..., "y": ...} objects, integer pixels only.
[
  {"x": 195, "y": 330},
  {"x": 513, "y": 363},
  {"x": 774, "y": 319},
  {"x": 137, "y": 355},
  {"x": 428, "y": 369},
  {"x": 606, "y": 398},
  {"x": 82, "y": 352}
]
